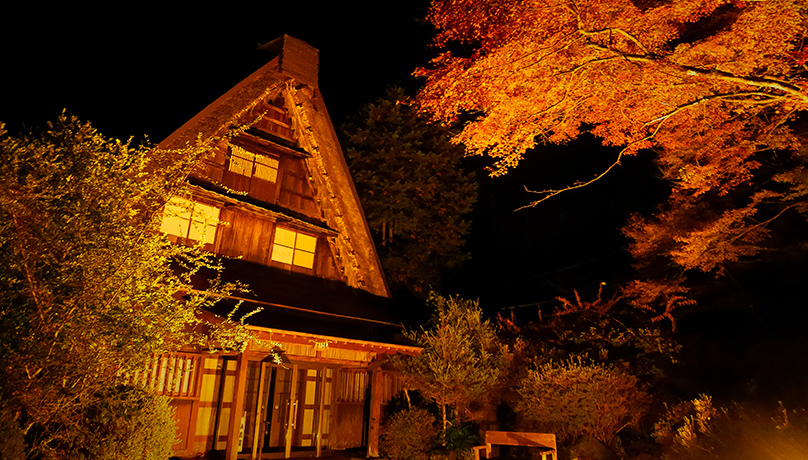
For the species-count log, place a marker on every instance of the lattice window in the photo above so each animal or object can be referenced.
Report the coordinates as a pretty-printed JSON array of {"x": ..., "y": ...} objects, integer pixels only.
[
  {"x": 352, "y": 386},
  {"x": 190, "y": 219},
  {"x": 173, "y": 374},
  {"x": 294, "y": 248},
  {"x": 248, "y": 164}
]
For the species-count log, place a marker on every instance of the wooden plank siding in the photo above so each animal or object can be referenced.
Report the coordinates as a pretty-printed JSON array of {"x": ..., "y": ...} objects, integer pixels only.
[
  {"x": 244, "y": 235},
  {"x": 275, "y": 120},
  {"x": 249, "y": 235}
]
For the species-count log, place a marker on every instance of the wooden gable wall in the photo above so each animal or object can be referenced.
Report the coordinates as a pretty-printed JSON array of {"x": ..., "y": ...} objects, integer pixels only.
[
  {"x": 263, "y": 164},
  {"x": 280, "y": 114}
]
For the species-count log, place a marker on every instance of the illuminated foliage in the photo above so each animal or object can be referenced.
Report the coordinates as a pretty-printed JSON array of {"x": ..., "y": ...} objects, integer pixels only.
[
  {"x": 413, "y": 190},
  {"x": 409, "y": 435},
  {"x": 87, "y": 287},
  {"x": 604, "y": 333},
  {"x": 576, "y": 399},
  {"x": 461, "y": 360},
  {"x": 697, "y": 430},
  {"x": 607, "y": 332},
  {"x": 712, "y": 88}
]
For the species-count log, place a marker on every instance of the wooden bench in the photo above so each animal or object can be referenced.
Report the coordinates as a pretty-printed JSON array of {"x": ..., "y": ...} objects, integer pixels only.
[{"x": 544, "y": 441}]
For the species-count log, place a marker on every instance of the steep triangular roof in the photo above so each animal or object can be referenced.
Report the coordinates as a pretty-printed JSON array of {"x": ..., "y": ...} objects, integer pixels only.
[{"x": 292, "y": 78}]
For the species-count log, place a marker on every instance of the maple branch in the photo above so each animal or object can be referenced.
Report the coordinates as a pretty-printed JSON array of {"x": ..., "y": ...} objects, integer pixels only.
[
  {"x": 584, "y": 64},
  {"x": 525, "y": 56},
  {"x": 761, "y": 224},
  {"x": 727, "y": 96},
  {"x": 769, "y": 98},
  {"x": 542, "y": 57},
  {"x": 765, "y": 82},
  {"x": 574, "y": 10},
  {"x": 622, "y": 32},
  {"x": 552, "y": 193}
]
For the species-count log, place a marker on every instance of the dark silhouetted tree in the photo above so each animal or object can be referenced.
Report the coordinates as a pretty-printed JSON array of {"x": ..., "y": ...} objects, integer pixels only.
[{"x": 413, "y": 189}]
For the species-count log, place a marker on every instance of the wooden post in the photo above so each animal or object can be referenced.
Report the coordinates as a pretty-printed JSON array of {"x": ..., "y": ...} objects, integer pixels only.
[
  {"x": 237, "y": 409},
  {"x": 259, "y": 409},
  {"x": 332, "y": 418},
  {"x": 374, "y": 430},
  {"x": 198, "y": 372},
  {"x": 318, "y": 431},
  {"x": 291, "y": 421}
]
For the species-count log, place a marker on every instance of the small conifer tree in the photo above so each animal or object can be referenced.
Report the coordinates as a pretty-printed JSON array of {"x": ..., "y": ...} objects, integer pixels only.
[{"x": 462, "y": 358}]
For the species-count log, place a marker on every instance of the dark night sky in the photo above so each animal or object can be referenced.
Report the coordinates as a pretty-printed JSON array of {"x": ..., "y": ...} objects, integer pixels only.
[{"x": 146, "y": 71}]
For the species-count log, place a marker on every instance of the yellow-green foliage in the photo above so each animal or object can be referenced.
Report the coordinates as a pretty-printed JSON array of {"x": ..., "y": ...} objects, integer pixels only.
[
  {"x": 697, "y": 430},
  {"x": 87, "y": 286},
  {"x": 125, "y": 422},
  {"x": 575, "y": 399},
  {"x": 685, "y": 423},
  {"x": 409, "y": 435}
]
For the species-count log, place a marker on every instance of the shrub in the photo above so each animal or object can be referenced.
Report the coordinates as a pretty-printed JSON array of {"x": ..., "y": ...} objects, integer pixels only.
[
  {"x": 11, "y": 436},
  {"x": 460, "y": 437},
  {"x": 125, "y": 422},
  {"x": 696, "y": 430},
  {"x": 574, "y": 400},
  {"x": 685, "y": 423},
  {"x": 409, "y": 435}
]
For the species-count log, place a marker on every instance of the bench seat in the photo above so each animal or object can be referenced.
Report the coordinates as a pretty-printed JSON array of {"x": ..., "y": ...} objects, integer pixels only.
[{"x": 544, "y": 441}]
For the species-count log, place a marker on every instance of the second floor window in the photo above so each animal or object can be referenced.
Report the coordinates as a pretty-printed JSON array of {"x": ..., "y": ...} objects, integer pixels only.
[
  {"x": 248, "y": 164},
  {"x": 291, "y": 247},
  {"x": 190, "y": 220}
]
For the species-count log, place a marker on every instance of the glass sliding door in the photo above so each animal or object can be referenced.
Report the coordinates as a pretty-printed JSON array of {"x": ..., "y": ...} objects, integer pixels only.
[{"x": 286, "y": 410}]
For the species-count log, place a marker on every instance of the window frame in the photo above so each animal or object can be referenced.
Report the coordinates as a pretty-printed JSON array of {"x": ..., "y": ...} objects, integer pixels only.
[
  {"x": 189, "y": 226},
  {"x": 254, "y": 160},
  {"x": 300, "y": 252}
]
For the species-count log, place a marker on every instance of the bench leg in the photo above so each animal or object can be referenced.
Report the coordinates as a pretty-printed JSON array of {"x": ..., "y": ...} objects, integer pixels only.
[{"x": 477, "y": 449}]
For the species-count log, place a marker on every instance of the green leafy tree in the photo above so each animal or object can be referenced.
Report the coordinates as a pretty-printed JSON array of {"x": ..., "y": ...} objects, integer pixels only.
[
  {"x": 462, "y": 358},
  {"x": 413, "y": 189},
  {"x": 90, "y": 290}
]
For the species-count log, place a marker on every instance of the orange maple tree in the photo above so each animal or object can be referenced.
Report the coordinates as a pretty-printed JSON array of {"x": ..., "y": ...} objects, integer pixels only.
[{"x": 714, "y": 88}]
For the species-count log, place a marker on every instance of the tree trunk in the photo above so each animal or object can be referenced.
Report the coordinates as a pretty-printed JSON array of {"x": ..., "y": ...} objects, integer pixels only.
[{"x": 443, "y": 415}]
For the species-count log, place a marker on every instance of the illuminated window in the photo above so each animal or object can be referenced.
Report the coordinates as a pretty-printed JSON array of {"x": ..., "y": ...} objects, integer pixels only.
[
  {"x": 249, "y": 164},
  {"x": 189, "y": 219},
  {"x": 291, "y": 247}
]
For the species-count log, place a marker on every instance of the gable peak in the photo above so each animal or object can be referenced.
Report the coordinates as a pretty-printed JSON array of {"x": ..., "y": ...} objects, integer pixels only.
[{"x": 296, "y": 58}]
